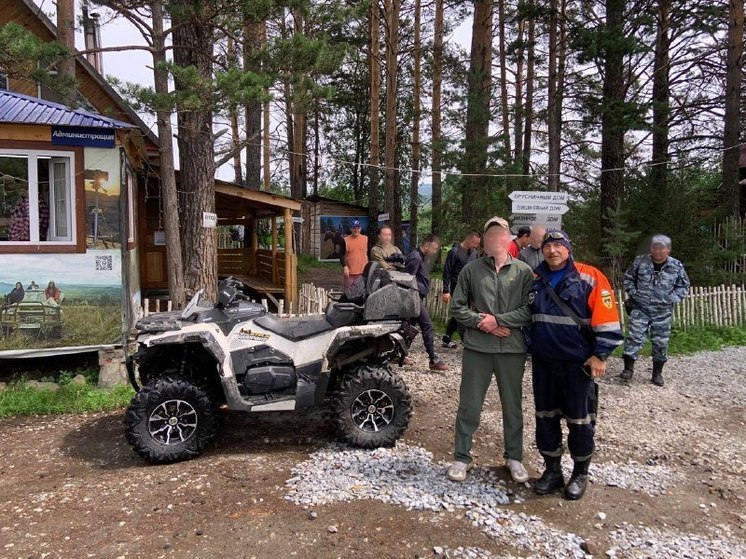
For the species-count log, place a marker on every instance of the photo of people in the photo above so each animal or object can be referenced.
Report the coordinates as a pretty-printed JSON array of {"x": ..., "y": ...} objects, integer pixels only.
[
  {"x": 69, "y": 300},
  {"x": 332, "y": 229}
]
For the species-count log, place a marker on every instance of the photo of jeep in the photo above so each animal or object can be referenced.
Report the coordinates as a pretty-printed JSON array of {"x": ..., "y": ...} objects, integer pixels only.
[
  {"x": 187, "y": 364},
  {"x": 32, "y": 317}
]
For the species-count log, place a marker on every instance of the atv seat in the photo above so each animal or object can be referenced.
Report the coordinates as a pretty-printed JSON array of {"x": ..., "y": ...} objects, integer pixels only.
[{"x": 296, "y": 328}]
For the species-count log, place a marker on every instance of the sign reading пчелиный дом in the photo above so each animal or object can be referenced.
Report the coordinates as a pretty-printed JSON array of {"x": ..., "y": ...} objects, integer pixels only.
[{"x": 83, "y": 136}]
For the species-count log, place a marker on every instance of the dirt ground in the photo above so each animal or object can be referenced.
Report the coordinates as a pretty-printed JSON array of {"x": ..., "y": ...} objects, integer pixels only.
[{"x": 70, "y": 486}]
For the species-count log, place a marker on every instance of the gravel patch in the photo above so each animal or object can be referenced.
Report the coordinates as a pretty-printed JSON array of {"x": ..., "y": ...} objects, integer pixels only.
[
  {"x": 650, "y": 478},
  {"x": 406, "y": 476},
  {"x": 643, "y": 541}
]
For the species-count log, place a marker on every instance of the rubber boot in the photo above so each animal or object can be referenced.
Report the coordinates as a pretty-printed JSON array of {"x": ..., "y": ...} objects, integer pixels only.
[
  {"x": 629, "y": 368},
  {"x": 575, "y": 488},
  {"x": 658, "y": 373},
  {"x": 552, "y": 478}
]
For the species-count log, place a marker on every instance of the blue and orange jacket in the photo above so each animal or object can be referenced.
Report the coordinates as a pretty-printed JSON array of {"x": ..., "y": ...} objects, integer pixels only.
[{"x": 554, "y": 335}]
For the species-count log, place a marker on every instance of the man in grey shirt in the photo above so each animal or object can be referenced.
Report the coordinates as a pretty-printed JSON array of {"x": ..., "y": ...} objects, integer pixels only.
[{"x": 532, "y": 254}]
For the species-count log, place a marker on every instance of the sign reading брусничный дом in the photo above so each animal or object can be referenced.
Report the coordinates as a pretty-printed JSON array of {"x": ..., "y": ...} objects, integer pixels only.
[
  {"x": 538, "y": 208},
  {"x": 83, "y": 136}
]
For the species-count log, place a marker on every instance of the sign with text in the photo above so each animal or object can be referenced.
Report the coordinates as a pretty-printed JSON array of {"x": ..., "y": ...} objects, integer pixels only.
[
  {"x": 209, "y": 220},
  {"x": 543, "y": 208},
  {"x": 383, "y": 217},
  {"x": 530, "y": 196},
  {"x": 83, "y": 136},
  {"x": 553, "y": 221}
]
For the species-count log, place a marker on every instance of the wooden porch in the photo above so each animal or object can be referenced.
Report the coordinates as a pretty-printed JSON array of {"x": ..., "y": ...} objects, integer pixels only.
[{"x": 254, "y": 237}]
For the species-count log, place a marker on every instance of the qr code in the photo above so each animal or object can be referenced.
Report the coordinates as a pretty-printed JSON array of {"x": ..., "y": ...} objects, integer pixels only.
[{"x": 104, "y": 263}]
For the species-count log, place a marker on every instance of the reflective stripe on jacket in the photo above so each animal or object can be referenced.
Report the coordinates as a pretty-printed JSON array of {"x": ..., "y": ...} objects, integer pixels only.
[{"x": 587, "y": 292}]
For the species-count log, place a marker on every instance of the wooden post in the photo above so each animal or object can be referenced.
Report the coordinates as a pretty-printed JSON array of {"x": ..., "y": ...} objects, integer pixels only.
[
  {"x": 254, "y": 246},
  {"x": 291, "y": 285},
  {"x": 275, "y": 274}
]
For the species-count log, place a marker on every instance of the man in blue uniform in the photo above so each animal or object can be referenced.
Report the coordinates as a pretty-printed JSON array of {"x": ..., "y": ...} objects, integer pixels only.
[
  {"x": 655, "y": 283},
  {"x": 574, "y": 328}
]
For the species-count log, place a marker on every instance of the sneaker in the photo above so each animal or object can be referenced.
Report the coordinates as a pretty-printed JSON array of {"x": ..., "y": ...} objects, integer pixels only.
[
  {"x": 438, "y": 367},
  {"x": 447, "y": 343},
  {"x": 457, "y": 471},
  {"x": 517, "y": 471}
]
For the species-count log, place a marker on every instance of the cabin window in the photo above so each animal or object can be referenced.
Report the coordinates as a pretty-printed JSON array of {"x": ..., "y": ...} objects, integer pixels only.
[{"x": 36, "y": 198}]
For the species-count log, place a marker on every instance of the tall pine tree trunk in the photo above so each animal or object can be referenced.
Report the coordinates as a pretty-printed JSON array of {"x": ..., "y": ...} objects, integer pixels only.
[
  {"x": 437, "y": 157},
  {"x": 193, "y": 42},
  {"x": 474, "y": 159},
  {"x": 299, "y": 172},
  {"x": 253, "y": 109},
  {"x": 504, "y": 101},
  {"x": 529, "y": 110},
  {"x": 233, "y": 118},
  {"x": 518, "y": 103},
  {"x": 66, "y": 37},
  {"x": 661, "y": 106},
  {"x": 374, "y": 68},
  {"x": 392, "y": 194},
  {"x": 731, "y": 190},
  {"x": 416, "y": 110},
  {"x": 554, "y": 94},
  {"x": 266, "y": 113},
  {"x": 174, "y": 262},
  {"x": 613, "y": 115}
]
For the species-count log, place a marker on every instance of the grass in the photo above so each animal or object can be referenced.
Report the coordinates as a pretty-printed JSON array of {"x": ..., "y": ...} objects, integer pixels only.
[
  {"x": 693, "y": 340},
  {"x": 682, "y": 342},
  {"x": 21, "y": 399},
  {"x": 306, "y": 261}
]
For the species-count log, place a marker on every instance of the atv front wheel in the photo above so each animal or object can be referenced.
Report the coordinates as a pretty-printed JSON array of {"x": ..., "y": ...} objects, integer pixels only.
[
  {"x": 170, "y": 420},
  {"x": 372, "y": 407}
]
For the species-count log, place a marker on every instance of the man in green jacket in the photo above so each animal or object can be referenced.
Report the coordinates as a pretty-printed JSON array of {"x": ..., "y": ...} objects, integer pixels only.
[{"x": 491, "y": 301}]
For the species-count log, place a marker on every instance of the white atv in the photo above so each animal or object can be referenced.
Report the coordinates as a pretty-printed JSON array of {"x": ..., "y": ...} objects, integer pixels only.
[{"x": 189, "y": 363}]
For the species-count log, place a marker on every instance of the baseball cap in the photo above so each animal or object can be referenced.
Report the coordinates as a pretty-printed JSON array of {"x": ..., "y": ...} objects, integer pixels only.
[
  {"x": 496, "y": 221},
  {"x": 356, "y": 223}
]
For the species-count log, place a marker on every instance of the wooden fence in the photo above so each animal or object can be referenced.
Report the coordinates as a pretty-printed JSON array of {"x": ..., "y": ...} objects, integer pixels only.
[{"x": 722, "y": 305}]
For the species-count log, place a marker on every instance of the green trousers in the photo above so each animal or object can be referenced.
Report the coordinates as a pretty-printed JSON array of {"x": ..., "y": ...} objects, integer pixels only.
[{"x": 476, "y": 375}]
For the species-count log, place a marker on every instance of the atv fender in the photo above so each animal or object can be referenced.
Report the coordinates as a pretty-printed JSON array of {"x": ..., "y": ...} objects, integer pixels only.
[{"x": 348, "y": 333}]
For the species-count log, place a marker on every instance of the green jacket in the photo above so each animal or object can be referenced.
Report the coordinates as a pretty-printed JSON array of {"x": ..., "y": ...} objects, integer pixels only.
[{"x": 504, "y": 295}]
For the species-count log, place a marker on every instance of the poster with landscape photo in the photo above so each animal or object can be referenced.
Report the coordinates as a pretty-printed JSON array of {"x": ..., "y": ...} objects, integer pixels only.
[
  {"x": 64, "y": 300},
  {"x": 102, "y": 190},
  {"x": 333, "y": 229}
]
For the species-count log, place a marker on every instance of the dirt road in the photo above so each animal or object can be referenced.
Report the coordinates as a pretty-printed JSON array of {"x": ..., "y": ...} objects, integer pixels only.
[{"x": 670, "y": 467}]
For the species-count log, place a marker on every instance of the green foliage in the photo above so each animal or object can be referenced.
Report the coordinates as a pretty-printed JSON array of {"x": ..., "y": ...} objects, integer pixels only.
[
  {"x": 618, "y": 239},
  {"x": 24, "y": 56},
  {"x": 21, "y": 399},
  {"x": 693, "y": 340}
]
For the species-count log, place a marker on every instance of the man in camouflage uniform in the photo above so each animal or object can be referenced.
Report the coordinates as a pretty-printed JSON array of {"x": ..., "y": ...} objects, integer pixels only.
[{"x": 655, "y": 283}]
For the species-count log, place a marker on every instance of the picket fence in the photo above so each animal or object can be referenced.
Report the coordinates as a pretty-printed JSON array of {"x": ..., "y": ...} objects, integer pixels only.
[{"x": 722, "y": 305}]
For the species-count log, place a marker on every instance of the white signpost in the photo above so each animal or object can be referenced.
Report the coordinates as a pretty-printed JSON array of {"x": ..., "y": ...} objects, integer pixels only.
[
  {"x": 209, "y": 220},
  {"x": 536, "y": 196},
  {"x": 383, "y": 217},
  {"x": 554, "y": 221},
  {"x": 538, "y": 208}
]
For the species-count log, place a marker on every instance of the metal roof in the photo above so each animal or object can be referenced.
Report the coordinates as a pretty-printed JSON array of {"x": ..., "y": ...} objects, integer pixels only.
[{"x": 21, "y": 109}]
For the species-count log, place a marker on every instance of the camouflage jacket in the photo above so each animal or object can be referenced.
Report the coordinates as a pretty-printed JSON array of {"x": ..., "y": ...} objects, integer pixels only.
[{"x": 651, "y": 290}]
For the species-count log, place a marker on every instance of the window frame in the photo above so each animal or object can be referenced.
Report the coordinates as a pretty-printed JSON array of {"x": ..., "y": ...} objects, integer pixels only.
[{"x": 76, "y": 207}]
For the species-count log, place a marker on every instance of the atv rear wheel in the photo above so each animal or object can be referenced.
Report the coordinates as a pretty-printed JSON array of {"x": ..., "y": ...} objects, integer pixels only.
[
  {"x": 372, "y": 407},
  {"x": 170, "y": 420}
]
